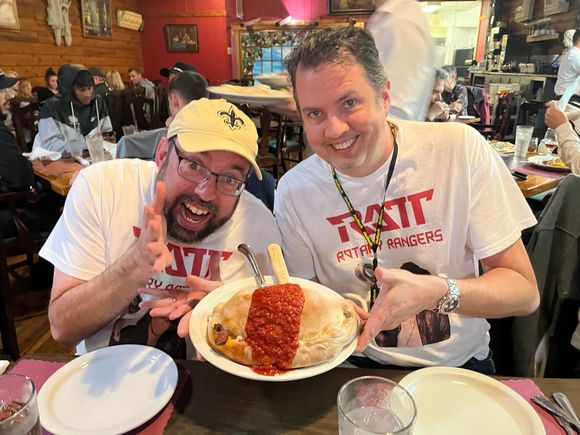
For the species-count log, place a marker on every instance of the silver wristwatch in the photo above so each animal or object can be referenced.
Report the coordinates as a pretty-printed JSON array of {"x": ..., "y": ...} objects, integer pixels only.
[{"x": 450, "y": 302}]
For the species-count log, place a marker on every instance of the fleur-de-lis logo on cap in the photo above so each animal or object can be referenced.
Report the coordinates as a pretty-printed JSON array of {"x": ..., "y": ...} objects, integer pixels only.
[{"x": 232, "y": 120}]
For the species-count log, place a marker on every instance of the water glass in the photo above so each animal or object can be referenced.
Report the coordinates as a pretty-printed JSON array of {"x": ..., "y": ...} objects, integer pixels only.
[
  {"x": 375, "y": 405},
  {"x": 129, "y": 129},
  {"x": 18, "y": 407},
  {"x": 95, "y": 146},
  {"x": 75, "y": 141},
  {"x": 523, "y": 137}
]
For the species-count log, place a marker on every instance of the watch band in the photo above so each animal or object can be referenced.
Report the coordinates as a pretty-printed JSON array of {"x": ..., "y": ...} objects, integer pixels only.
[{"x": 450, "y": 302}]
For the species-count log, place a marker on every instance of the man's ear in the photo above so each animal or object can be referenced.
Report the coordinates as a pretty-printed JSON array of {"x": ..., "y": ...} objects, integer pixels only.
[
  {"x": 162, "y": 150},
  {"x": 386, "y": 96}
]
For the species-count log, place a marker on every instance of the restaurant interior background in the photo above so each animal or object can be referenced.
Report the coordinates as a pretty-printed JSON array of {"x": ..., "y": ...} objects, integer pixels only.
[{"x": 461, "y": 30}]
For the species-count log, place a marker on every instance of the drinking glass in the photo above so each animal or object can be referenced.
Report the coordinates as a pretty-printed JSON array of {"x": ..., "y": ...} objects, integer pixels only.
[
  {"x": 95, "y": 146},
  {"x": 129, "y": 129},
  {"x": 551, "y": 140},
  {"x": 523, "y": 138},
  {"x": 375, "y": 405},
  {"x": 75, "y": 141},
  {"x": 18, "y": 407}
]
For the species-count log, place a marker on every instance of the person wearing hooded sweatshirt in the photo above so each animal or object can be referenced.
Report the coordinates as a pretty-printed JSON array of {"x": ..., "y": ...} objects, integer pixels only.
[{"x": 74, "y": 107}]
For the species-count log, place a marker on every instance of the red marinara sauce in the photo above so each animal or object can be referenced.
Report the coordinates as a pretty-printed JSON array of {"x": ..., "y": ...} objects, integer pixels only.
[{"x": 273, "y": 326}]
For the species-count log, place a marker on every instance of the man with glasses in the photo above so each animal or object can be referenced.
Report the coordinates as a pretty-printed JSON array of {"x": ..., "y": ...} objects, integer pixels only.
[{"x": 134, "y": 230}]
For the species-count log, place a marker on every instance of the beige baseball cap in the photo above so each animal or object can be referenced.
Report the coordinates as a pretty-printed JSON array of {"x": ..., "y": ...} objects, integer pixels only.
[{"x": 216, "y": 125}]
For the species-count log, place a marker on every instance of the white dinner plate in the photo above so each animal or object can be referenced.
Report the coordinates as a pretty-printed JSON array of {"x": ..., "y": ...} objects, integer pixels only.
[
  {"x": 107, "y": 391},
  {"x": 543, "y": 162},
  {"x": 198, "y": 333},
  {"x": 274, "y": 80},
  {"x": 465, "y": 117},
  {"x": 458, "y": 401},
  {"x": 256, "y": 95}
]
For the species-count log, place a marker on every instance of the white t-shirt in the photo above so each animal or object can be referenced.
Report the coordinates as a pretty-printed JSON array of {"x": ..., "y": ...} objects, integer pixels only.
[
  {"x": 569, "y": 71},
  {"x": 405, "y": 46},
  {"x": 450, "y": 202},
  {"x": 103, "y": 216}
]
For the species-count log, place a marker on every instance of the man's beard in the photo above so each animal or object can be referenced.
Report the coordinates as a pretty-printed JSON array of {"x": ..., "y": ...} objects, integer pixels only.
[{"x": 184, "y": 235}]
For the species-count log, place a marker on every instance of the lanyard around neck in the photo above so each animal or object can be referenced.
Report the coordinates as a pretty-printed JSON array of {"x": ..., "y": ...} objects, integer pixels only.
[{"x": 374, "y": 244}]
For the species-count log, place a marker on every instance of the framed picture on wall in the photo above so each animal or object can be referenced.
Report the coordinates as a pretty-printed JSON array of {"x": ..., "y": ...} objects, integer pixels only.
[
  {"x": 96, "y": 18},
  {"x": 9, "y": 15},
  {"x": 350, "y": 7},
  {"x": 181, "y": 37}
]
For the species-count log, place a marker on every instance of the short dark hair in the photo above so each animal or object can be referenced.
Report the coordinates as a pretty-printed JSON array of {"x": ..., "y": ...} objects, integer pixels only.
[
  {"x": 338, "y": 45},
  {"x": 48, "y": 74},
  {"x": 136, "y": 69},
  {"x": 83, "y": 79},
  {"x": 189, "y": 86},
  {"x": 576, "y": 36}
]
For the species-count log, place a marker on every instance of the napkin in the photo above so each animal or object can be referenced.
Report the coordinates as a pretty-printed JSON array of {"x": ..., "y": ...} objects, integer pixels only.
[
  {"x": 528, "y": 388},
  {"x": 42, "y": 154}
]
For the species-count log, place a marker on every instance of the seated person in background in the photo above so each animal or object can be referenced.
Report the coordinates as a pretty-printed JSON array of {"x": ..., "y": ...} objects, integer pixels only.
[
  {"x": 372, "y": 172},
  {"x": 115, "y": 81},
  {"x": 568, "y": 133},
  {"x": 74, "y": 107},
  {"x": 455, "y": 95},
  {"x": 110, "y": 245},
  {"x": 438, "y": 109},
  {"x": 101, "y": 88},
  {"x": 15, "y": 171},
  {"x": 51, "y": 88},
  {"x": 178, "y": 67},
  {"x": 16, "y": 175}
]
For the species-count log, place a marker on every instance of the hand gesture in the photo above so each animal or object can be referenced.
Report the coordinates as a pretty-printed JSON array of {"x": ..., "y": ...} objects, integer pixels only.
[
  {"x": 554, "y": 117},
  {"x": 179, "y": 303},
  {"x": 152, "y": 238},
  {"x": 403, "y": 295}
]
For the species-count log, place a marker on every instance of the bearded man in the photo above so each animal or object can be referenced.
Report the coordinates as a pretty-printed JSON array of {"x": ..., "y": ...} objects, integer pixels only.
[{"x": 133, "y": 230}]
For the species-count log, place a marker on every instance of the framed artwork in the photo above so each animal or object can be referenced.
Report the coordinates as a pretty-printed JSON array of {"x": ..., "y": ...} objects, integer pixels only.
[
  {"x": 96, "y": 18},
  {"x": 9, "y": 15},
  {"x": 350, "y": 7},
  {"x": 181, "y": 37}
]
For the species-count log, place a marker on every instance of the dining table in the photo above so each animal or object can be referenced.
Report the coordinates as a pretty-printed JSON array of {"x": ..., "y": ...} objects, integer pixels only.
[
  {"x": 538, "y": 180},
  {"x": 208, "y": 400},
  {"x": 58, "y": 174}
]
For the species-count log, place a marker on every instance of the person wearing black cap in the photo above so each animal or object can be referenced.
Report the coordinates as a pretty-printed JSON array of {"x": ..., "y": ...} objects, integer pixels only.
[
  {"x": 101, "y": 88},
  {"x": 178, "y": 67}
]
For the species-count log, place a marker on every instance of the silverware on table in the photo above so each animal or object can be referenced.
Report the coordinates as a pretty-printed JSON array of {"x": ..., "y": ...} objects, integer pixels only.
[
  {"x": 554, "y": 409},
  {"x": 565, "y": 425},
  {"x": 251, "y": 256},
  {"x": 562, "y": 400}
]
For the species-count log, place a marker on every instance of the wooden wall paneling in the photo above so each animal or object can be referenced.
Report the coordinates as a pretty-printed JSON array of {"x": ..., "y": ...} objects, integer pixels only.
[{"x": 32, "y": 50}]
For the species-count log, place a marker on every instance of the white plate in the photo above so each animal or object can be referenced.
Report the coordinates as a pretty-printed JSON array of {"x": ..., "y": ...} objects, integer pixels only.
[
  {"x": 543, "y": 162},
  {"x": 198, "y": 333},
  {"x": 107, "y": 391},
  {"x": 465, "y": 117},
  {"x": 458, "y": 401},
  {"x": 250, "y": 94},
  {"x": 274, "y": 80}
]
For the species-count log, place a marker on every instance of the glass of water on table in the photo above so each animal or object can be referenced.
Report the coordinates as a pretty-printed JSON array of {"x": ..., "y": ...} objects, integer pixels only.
[
  {"x": 375, "y": 405},
  {"x": 95, "y": 146},
  {"x": 18, "y": 406}
]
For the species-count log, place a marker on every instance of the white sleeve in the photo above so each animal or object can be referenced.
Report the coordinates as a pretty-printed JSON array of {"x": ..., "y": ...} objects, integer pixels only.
[
  {"x": 297, "y": 254},
  {"x": 498, "y": 212},
  {"x": 569, "y": 146},
  {"x": 77, "y": 243}
]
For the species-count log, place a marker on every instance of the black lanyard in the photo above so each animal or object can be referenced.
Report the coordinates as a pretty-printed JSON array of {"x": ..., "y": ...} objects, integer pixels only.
[{"x": 373, "y": 244}]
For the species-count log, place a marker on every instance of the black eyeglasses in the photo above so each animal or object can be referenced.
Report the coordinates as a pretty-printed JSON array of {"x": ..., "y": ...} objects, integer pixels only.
[{"x": 193, "y": 171}]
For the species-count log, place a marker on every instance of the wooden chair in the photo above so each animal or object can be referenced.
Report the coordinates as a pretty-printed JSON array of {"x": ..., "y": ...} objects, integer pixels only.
[
  {"x": 161, "y": 108},
  {"x": 503, "y": 118},
  {"x": 20, "y": 292},
  {"x": 24, "y": 120},
  {"x": 532, "y": 113},
  {"x": 289, "y": 142},
  {"x": 267, "y": 159},
  {"x": 142, "y": 110}
]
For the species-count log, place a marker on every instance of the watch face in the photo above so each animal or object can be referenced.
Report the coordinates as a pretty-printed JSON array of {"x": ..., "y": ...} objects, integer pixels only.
[{"x": 449, "y": 305}]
